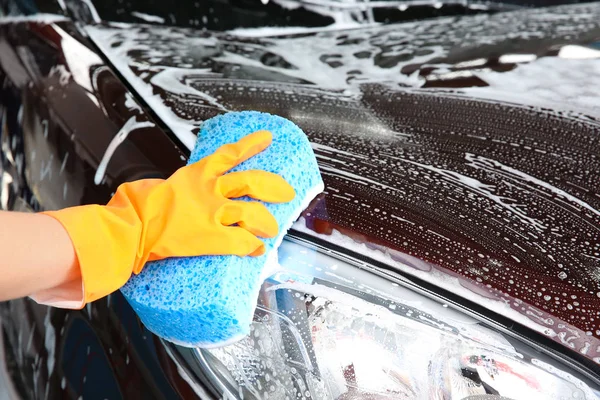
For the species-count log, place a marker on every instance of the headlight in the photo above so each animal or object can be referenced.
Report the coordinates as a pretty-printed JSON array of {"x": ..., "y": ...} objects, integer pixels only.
[{"x": 326, "y": 329}]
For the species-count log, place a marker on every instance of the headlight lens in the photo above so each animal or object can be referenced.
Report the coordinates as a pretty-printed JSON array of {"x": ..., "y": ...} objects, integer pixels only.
[{"x": 325, "y": 329}]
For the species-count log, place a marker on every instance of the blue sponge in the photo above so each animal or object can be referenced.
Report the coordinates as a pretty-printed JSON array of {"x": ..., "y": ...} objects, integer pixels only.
[{"x": 210, "y": 301}]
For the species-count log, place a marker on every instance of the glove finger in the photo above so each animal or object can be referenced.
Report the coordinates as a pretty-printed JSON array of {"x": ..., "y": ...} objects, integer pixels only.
[
  {"x": 251, "y": 216},
  {"x": 227, "y": 241},
  {"x": 246, "y": 244},
  {"x": 232, "y": 154},
  {"x": 260, "y": 185}
]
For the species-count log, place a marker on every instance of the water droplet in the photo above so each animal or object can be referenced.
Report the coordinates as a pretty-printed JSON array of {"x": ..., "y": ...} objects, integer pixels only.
[{"x": 562, "y": 275}]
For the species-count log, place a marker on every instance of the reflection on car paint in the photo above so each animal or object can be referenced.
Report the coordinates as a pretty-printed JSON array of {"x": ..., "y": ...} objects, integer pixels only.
[{"x": 85, "y": 364}]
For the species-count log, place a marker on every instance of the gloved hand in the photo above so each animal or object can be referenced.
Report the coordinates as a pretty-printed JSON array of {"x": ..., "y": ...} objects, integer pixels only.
[{"x": 189, "y": 214}]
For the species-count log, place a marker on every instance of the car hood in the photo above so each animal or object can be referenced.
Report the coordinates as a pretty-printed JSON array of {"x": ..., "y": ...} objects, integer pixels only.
[{"x": 460, "y": 151}]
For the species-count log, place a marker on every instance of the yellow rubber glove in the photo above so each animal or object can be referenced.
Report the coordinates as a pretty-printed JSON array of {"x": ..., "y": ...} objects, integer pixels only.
[{"x": 189, "y": 214}]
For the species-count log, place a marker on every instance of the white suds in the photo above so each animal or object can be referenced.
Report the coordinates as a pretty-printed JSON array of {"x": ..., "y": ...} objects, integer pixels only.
[
  {"x": 148, "y": 17},
  {"x": 131, "y": 125},
  {"x": 37, "y": 18}
]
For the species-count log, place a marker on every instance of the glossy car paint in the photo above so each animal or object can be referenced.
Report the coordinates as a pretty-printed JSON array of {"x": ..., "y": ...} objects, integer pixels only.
[
  {"x": 504, "y": 198},
  {"x": 432, "y": 178}
]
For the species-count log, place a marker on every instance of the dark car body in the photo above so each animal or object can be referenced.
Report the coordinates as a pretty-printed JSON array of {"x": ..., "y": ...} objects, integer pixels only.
[{"x": 466, "y": 147}]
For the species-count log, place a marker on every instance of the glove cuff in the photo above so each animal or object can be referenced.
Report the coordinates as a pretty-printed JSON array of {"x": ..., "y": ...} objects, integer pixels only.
[{"x": 106, "y": 241}]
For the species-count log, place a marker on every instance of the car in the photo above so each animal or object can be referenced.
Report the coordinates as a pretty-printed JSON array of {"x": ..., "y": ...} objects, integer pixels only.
[{"x": 455, "y": 250}]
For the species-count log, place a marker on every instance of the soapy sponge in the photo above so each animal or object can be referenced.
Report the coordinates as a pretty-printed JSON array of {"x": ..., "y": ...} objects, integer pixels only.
[{"x": 210, "y": 301}]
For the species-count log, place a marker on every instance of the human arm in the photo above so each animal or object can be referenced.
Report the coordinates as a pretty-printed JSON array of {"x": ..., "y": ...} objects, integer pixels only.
[
  {"x": 192, "y": 213},
  {"x": 36, "y": 254}
]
